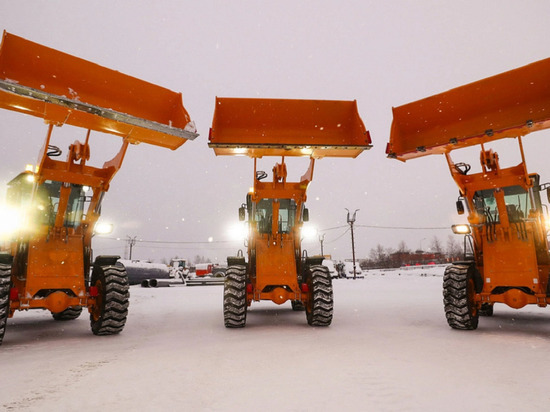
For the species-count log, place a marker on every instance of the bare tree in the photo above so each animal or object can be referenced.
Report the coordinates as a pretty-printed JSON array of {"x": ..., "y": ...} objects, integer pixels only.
[
  {"x": 454, "y": 249},
  {"x": 436, "y": 246},
  {"x": 378, "y": 255},
  {"x": 201, "y": 259},
  {"x": 402, "y": 247}
]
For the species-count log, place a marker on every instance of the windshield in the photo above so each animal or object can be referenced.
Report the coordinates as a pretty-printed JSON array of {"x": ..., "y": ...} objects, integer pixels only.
[
  {"x": 518, "y": 203},
  {"x": 263, "y": 215},
  {"x": 47, "y": 200}
]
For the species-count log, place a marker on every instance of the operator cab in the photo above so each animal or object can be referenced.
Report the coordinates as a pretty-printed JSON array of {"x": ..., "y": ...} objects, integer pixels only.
[
  {"x": 261, "y": 214},
  {"x": 519, "y": 202},
  {"x": 46, "y": 199}
]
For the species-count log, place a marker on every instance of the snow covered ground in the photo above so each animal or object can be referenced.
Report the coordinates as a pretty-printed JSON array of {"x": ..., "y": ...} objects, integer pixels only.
[{"x": 388, "y": 349}]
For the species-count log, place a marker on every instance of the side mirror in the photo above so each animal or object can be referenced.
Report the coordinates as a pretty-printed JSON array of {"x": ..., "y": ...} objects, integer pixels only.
[
  {"x": 460, "y": 207},
  {"x": 305, "y": 215},
  {"x": 242, "y": 213}
]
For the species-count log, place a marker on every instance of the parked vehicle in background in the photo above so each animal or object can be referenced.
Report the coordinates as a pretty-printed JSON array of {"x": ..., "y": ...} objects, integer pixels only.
[
  {"x": 179, "y": 268},
  {"x": 218, "y": 270},
  {"x": 348, "y": 266},
  {"x": 203, "y": 269},
  {"x": 206, "y": 274},
  {"x": 331, "y": 268}
]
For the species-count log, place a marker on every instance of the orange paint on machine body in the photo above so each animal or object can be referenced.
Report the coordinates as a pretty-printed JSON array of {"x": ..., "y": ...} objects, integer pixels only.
[
  {"x": 47, "y": 259},
  {"x": 276, "y": 268},
  {"x": 507, "y": 259}
]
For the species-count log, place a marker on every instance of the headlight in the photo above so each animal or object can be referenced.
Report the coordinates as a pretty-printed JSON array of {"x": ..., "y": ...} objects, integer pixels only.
[
  {"x": 102, "y": 228},
  {"x": 12, "y": 221},
  {"x": 238, "y": 231},
  {"x": 309, "y": 232},
  {"x": 461, "y": 229}
]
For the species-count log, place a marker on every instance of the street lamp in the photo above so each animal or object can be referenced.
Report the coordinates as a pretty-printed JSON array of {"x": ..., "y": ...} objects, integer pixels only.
[{"x": 351, "y": 221}]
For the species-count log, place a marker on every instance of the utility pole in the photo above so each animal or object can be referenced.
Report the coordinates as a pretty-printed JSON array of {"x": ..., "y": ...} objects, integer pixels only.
[
  {"x": 321, "y": 240},
  {"x": 131, "y": 242},
  {"x": 351, "y": 221}
]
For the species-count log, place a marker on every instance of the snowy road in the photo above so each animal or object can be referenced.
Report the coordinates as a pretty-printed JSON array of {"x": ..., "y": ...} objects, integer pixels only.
[{"x": 389, "y": 348}]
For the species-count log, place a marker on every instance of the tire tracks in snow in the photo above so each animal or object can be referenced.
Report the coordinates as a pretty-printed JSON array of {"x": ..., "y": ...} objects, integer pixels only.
[{"x": 54, "y": 388}]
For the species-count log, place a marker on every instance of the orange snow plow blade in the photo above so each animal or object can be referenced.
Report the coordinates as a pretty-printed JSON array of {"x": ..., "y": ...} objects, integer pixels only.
[
  {"x": 510, "y": 104},
  {"x": 64, "y": 89},
  {"x": 287, "y": 127}
]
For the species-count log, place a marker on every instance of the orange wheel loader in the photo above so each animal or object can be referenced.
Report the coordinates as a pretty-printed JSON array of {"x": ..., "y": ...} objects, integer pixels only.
[
  {"x": 277, "y": 269},
  {"x": 506, "y": 247},
  {"x": 53, "y": 208}
]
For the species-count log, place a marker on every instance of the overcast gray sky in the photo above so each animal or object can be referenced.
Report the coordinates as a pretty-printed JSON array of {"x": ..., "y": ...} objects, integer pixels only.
[{"x": 381, "y": 53}]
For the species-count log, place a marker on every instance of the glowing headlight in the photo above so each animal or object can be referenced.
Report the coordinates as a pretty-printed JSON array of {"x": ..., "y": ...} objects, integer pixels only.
[
  {"x": 461, "y": 229},
  {"x": 102, "y": 228},
  {"x": 11, "y": 221},
  {"x": 308, "y": 232},
  {"x": 238, "y": 231}
]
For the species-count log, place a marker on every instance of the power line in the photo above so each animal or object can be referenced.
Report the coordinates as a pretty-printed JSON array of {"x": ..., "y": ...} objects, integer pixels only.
[
  {"x": 405, "y": 227},
  {"x": 172, "y": 242},
  {"x": 332, "y": 228},
  {"x": 183, "y": 247},
  {"x": 169, "y": 242},
  {"x": 339, "y": 237},
  {"x": 390, "y": 227}
]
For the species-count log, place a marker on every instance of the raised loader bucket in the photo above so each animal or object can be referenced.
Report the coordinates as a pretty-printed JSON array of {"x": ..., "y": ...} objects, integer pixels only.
[
  {"x": 510, "y": 104},
  {"x": 285, "y": 127},
  {"x": 64, "y": 89}
]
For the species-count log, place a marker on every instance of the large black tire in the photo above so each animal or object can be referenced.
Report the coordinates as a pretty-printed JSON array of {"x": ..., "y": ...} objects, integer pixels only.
[
  {"x": 70, "y": 313},
  {"x": 108, "y": 315},
  {"x": 234, "y": 297},
  {"x": 5, "y": 282},
  {"x": 319, "y": 306},
  {"x": 458, "y": 297}
]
